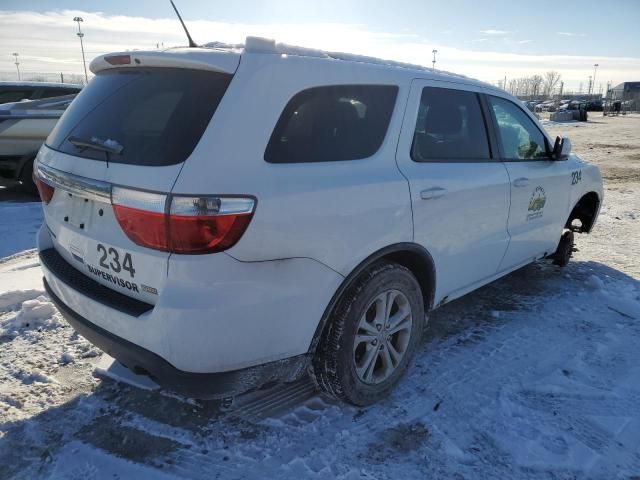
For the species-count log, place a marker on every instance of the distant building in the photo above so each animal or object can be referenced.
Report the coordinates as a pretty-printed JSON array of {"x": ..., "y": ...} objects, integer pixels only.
[{"x": 626, "y": 92}]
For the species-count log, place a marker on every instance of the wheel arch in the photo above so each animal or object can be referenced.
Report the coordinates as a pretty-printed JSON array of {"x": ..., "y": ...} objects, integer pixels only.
[
  {"x": 410, "y": 255},
  {"x": 586, "y": 210}
]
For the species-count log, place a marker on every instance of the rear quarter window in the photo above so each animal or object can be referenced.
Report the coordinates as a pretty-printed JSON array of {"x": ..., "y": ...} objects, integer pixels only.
[
  {"x": 333, "y": 123},
  {"x": 158, "y": 115}
]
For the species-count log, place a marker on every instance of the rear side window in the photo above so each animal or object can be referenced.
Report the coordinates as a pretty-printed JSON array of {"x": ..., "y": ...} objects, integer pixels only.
[
  {"x": 324, "y": 124},
  {"x": 450, "y": 126},
  {"x": 520, "y": 138},
  {"x": 157, "y": 115}
]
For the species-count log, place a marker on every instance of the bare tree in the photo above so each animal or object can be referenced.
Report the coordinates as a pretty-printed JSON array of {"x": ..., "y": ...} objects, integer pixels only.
[
  {"x": 551, "y": 79},
  {"x": 536, "y": 83},
  {"x": 522, "y": 86}
]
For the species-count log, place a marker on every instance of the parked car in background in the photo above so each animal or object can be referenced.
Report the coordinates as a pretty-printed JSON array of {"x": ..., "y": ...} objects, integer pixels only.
[
  {"x": 594, "y": 106},
  {"x": 17, "y": 91},
  {"x": 24, "y": 126},
  {"x": 220, "y": 219},
  {"x": 572, "y": 105},
  {"x": 548, "y": 106}
]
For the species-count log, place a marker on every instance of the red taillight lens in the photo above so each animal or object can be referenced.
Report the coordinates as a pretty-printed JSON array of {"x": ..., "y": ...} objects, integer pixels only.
[
  {"x": 193, "y": 225},
  {"x": 206, "y": 234},
  {"x": 44, "y": 189},
  {"x": 207, "y": 224},
  {"x": 141, "y": 216},
  {"x": 148, "y": 229}
]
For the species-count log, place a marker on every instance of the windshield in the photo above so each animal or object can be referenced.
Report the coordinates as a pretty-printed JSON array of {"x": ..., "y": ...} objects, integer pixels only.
[{"x": 157, "y": 115}]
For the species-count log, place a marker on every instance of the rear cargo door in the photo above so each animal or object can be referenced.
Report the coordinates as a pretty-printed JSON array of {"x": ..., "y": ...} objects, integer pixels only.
[{"x": 130, "y": 130}]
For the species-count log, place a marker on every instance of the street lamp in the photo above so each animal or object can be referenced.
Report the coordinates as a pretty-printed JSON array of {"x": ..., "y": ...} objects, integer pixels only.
[
  {"x": 433, "y": 62},
  {"x": 80, "y": 34},
  {"x": 590, "y": 85},
  {"x": 17, "y": 64},
  {"x": 595, "y": 68}
]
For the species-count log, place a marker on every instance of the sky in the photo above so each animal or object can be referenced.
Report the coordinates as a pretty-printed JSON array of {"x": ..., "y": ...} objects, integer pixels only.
[{"x": 488, "y": 40}]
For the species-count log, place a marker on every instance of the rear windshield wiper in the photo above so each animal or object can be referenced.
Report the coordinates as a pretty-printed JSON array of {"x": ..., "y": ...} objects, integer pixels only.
[{"x": 94, "y": 143}]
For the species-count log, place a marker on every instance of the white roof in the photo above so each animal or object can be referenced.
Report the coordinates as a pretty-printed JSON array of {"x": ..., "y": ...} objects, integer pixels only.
[
  {"x": 199, "y": 57},
  {"x": 265, "y": 45}
]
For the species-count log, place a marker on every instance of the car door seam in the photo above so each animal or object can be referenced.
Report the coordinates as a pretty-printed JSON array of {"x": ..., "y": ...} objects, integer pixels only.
[
  {"x": 399, "y": 136},
  {"x": 508, "y": 217}
]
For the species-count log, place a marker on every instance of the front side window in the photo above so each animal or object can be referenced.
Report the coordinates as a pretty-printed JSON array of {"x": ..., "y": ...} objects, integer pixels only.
[
  {"x": 340, "y": 122},
  {"x": 450, "y": 126},
  {"x": 520, "y": 138}
]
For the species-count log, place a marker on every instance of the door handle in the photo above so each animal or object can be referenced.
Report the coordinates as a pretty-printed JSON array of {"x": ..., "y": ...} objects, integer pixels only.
[
  {"x": 521, "y": 182},
  {"x": 433, "y": 193}
]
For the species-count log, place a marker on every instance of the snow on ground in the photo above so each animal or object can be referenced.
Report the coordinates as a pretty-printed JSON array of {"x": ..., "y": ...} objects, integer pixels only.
[
  {"x": 536, "y": 376},
  {"x": 19, "y": 222}
]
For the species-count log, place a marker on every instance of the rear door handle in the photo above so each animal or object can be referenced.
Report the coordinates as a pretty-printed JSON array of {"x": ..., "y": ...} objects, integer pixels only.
[
  {"x": 433, "y": 193},
  {"x": 521, "y": 182}
]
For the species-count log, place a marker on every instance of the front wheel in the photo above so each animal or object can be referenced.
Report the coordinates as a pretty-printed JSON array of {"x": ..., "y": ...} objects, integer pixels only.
[
  {"x": 372, "y": 335},
  {"x": 565, "y": 249}
]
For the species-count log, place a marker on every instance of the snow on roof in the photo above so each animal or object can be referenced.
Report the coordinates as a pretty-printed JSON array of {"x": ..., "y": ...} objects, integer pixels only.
[{"x": 265, "y": 45}]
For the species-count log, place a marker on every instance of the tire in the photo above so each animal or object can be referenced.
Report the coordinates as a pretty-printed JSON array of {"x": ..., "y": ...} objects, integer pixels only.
[
  {"x": 340, "y": 364},
  {"x": 565, "y": 250},
  {"x": 26, "y": 178}
]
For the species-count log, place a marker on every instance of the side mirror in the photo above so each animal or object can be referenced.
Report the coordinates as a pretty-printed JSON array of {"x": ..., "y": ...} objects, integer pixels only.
[{"x": 562, "y": 148}]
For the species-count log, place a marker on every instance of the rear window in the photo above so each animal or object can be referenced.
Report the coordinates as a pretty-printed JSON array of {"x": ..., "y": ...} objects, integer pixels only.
[
  {"x": 156, "y": 115},
  {"x": 341, "y": 122}
]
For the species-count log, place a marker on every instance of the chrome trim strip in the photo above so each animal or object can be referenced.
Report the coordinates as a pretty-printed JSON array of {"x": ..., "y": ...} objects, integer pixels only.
[{"x": 75, "y": 184}]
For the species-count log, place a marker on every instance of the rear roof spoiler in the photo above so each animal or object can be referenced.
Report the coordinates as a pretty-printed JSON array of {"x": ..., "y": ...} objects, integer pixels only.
[{"x": 215, "y": 60}]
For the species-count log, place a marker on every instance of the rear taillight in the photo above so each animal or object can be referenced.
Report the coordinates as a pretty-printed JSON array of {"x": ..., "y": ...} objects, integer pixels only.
[
  {"x": 44, "y": 189},
  {"x": 207, "y": 224},
  {"x": 193, "y": 224},
  {"x": 142, "y": 216}
]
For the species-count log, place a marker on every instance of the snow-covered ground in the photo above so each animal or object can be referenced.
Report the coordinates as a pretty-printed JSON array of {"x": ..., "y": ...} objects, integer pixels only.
[{"x": 536, "y": 376}]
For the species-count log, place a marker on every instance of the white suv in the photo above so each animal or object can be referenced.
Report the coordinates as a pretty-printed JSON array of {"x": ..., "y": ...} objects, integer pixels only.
[{"x": 222, "y": 218}]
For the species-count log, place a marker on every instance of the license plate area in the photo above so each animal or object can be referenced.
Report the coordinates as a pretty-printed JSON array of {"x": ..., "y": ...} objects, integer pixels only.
[{"x": 79, "y": 212}]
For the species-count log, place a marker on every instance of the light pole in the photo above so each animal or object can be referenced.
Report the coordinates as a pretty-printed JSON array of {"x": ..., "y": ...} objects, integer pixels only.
[
  {"x": 595, "y": 68},
  {"x": 590, "y": 85},
  {"x": 433, "y": 62},
  {"x": 17, "y": 64},
  {"x": 80, "y": 34}
]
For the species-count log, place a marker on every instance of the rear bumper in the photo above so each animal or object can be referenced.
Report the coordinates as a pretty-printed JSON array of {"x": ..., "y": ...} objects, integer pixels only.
[
  {"x": 218, "y": 327},
  {"x": 197, "y": 385}
]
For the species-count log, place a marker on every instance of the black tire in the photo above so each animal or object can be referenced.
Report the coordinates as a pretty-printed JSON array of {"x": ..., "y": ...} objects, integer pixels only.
[
  {"x": 334, "y": 365},
  {"x": 26, "y": 178},
  {"x": 565, "y": 249}
]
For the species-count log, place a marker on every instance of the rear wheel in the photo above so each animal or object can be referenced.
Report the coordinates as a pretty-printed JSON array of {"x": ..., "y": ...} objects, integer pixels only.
[{"x": 372, "y": 335}]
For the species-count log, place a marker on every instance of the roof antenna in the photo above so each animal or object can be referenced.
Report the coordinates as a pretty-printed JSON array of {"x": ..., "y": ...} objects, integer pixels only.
[{"x": 191, "y": 42}]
